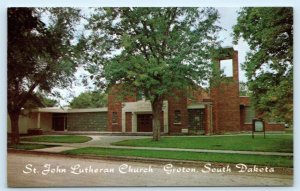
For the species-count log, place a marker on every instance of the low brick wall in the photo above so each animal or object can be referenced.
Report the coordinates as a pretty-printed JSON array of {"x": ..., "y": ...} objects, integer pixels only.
[
  {"x": 269, "y": 127},
  {"x": 92, "y": 121}
]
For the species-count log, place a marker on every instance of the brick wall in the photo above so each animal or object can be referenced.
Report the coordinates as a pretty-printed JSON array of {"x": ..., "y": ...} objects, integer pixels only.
[
  {"x": 274, "y": 127},
  {"x": 245, "y": 101},
  {"x": 207, "y": 123},
  {"x": 93, "y": 121},
  {"x": 128, "y": 123},
  {"x": 177, "y": 102},
  {"x": 226, "y": 103},
  {"x": 269, "y": 127},
  {"x": 115, "y": 105},
  {"x": 197, "y": 95}
]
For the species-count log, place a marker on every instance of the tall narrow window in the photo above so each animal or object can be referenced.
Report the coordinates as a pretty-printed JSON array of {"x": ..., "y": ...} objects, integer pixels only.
[
  {"x": 177, "y": 116},
  {"x": 114, "y": 117},
  {"x": 226, "y": 67},
  {"x": 250, "y": 114}
]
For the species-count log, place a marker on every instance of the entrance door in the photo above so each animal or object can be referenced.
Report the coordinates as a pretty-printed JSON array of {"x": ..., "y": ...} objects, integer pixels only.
[
  {"x": 144, "y": 123},
  {"x": 59, "y": 122},
  {"x": 196, "y": 121}
]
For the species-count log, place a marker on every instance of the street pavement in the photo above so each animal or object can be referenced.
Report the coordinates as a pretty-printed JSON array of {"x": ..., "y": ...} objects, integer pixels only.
[{"x": 38, "y": 170}]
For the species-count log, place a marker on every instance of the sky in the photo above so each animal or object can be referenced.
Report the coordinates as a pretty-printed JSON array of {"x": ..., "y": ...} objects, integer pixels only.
[{"x": 228, "y": 18}]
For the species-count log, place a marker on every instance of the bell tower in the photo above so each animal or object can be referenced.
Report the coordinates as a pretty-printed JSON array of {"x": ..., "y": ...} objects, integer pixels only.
[{"x": 225, "y": 94}]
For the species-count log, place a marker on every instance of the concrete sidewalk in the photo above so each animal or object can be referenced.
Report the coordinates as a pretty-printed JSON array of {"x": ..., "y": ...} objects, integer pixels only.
[{"x": 105, "y": 142}]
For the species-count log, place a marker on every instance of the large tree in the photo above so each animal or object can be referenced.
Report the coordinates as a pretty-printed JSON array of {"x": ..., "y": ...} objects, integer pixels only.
[
  {"x": 40, "y": 55},
  {"x": 90, "y": 99},
  {"x": 152, "y": 50},
  {"x": 269, "y": 63}
]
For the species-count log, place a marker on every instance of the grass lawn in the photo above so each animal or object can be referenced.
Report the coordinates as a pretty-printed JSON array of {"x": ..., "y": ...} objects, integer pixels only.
[
  {"x": 278, "y": 143},
  {"x": 274, "y": 161},
  {"x": 25, "y": 146},
  {"x": 58, "y": 139}
]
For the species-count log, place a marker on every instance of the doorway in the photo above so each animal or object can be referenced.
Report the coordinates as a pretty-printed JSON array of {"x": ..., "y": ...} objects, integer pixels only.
[
  {"x": 59, "y": 121},
  {"x": 144, "y": 123},
  {"x": 196, "y": 121}
]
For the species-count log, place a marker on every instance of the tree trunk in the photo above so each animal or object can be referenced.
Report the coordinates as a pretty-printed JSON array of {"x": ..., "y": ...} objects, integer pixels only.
[
  {"x": 14, "y": 120},
  {"x": 156, "y": 110}
]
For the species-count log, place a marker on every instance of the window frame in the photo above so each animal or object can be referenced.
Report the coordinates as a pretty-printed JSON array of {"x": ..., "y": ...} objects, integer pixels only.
[
  {"x": 227, "y": 64},
  {"x": 114, "y": 118},
  {"x": 177, "y": 117},
  {"x": 247, "y": 108}
]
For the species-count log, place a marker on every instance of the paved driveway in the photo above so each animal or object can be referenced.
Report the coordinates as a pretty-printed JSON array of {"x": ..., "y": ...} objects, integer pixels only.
[
  {"x": 97, "y": 141},
  {"x": 104, "y": 140},
  {"x": 21, "y": 173}
]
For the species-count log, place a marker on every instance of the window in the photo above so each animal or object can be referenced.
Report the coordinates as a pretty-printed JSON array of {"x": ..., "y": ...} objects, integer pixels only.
[
  {"x": 114, "y": 117},
  {"x": 226, "y": 67},
  {"x": 177, "y": 116},
  {"x": 249, "y": 114}
]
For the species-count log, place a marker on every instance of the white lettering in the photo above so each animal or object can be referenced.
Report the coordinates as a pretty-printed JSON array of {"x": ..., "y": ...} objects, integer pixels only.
[
  {"x": 209, "y": 169},
  {"x": 28, "y": 169},
  {"x": 169, "y": 169},
  {"x": 125, "y": 168}
]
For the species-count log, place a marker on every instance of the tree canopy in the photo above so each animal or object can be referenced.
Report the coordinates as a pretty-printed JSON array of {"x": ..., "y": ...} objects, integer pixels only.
[
  {"x": 39, "y": 100},
  {"x": 269, "y": 63},
  {"x": 153, "y": 50},
  {"x": 41, "y": 54},
  {"x": 90, "y": 99}
]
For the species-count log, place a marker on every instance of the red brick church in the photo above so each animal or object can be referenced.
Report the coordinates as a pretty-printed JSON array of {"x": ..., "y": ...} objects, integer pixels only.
[{"x": 218, "y": 111}]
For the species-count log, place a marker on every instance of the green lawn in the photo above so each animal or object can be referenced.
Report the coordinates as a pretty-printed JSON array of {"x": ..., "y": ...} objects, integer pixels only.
[
  {"x": 274, "y": 161},
  {"x": 278, "y": 143},
  {"x": 58, "y": 139},
  {"x": 25, "y": 146}
]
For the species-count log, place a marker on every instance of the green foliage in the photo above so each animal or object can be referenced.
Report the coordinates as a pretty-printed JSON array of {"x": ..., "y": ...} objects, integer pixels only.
[
  {"x": 40, "y": 55},
  {"x": 27, "y": 146},
  {"x": 278, "y": 143},
  {"x": 58, "y": 139},
  {"x": 49, "y": 102},
  {"x": 269, "y": 64},
  {"x": 39, "y": 100},
  {"x": 244, "y": 90},
  {"x": 89, "y": 100},
  {"x": 263, "y": 160},
  {"x": 155, "y": 50}
]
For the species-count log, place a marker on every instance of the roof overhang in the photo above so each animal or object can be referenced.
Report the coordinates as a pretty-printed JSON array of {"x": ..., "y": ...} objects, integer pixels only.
[{"x": 68, "y": 110}]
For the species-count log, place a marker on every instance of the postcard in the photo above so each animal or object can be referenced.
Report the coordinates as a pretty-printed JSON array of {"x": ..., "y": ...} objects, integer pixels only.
[{"x": 149, "y": 96}]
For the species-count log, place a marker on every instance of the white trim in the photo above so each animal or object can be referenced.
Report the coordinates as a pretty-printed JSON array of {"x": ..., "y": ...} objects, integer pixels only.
[
  {"x": 142, "y": 107},
  {"x": 67, "y": 110},
  {"x": 196, "y": 106},
  {"x": 134, "y": 122},
  {"x": 184, "y": 130},
  {"x": 166, "y": 119},
  {"x": 103, "y": 109},
  {"x": 39, "y": 120},
  {"x": 123, "y": 122}
]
